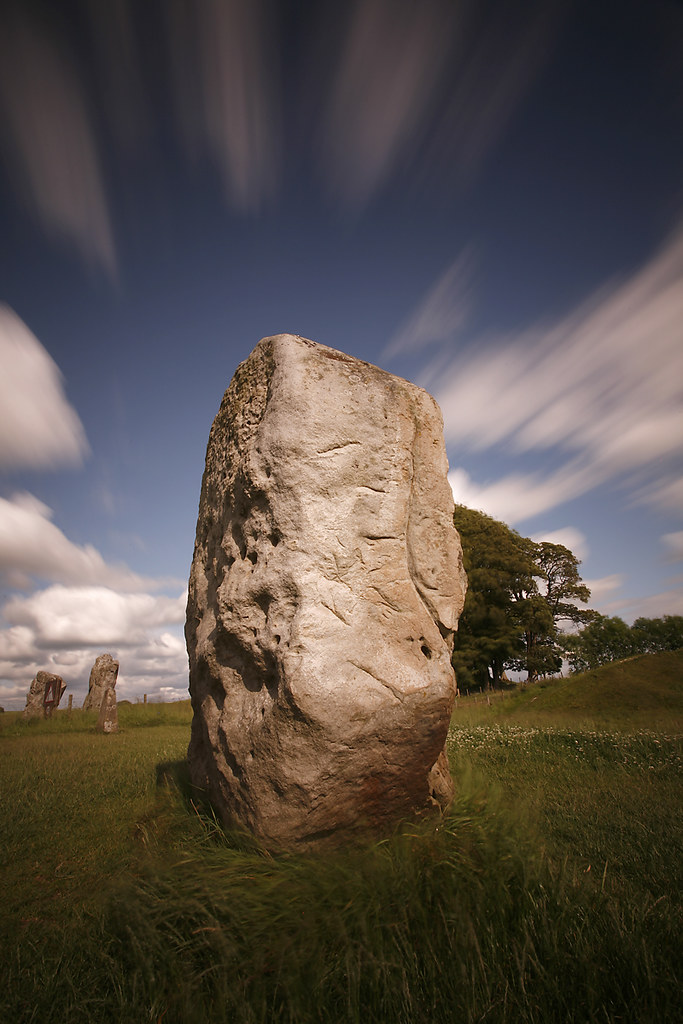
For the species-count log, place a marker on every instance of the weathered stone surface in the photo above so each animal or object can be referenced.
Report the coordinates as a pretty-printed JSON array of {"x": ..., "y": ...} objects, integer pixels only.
[
  {"x": 326, "y": 584},
  {"x": 108, "y": 719},
  {"x": 44, "y": 695},
  {"x": 103, "y": 676}
]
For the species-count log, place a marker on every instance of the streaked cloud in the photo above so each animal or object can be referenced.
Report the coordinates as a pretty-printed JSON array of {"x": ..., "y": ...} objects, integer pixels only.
[
  {"x": 412, "y": 88},
  {"x": 33, "y": 547},
  {"x": 442, "y": 313},
  {"x": 519, "y": 496},
  {"x": 225, "y": 79},
  {"x": 385, "y": 87},
  {"x": 654, "y": 606},
  {"x": 667, "y": 494},
  {"x": 39, "y": 429},
  {"x": 514, "y": 39},
  {"x": 120, "y": 72},
  {"x": 602, "y": 590},
  {"x": 49, "y": 142},
  {"x": 602, "y": 387},
  {"x": 673, "y": 542},
  {"x": 389, "y": 64}
]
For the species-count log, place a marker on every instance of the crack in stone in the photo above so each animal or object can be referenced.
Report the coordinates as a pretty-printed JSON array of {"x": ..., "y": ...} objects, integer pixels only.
[
  {"x": 385, "y": 600},
  {"x": 335, "y": 612},
  {"x": 368, "y": 672},
  {"x": 339, "y": 447}
]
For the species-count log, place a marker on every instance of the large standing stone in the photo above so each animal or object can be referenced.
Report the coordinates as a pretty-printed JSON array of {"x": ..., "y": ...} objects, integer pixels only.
[
  {"x": 103, "y": 676},
  {"x": 326, "y": 585},
  {"x": 44, "y": 695}
]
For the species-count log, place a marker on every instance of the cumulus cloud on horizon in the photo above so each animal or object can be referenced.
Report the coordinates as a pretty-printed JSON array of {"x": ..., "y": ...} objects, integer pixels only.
[
  {"x": 62, "y": 629},
  {"x": 90, "y": 606},
  {"x": 67, "y": 617},
  {"x": 157, "y": 666}
]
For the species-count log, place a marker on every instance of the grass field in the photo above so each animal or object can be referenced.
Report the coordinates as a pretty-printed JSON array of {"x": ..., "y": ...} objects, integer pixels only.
[{"x": 551, "y": 891}]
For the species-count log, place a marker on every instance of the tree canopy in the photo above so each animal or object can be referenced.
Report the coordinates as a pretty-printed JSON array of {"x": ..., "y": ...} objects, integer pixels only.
[
  {"x": 608, "y": 639},
  {"x": 519, "y": 593}
]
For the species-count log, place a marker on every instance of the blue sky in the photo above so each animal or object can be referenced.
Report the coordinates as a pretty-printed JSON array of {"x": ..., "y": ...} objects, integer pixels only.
[{"x": 483, "y": 196}]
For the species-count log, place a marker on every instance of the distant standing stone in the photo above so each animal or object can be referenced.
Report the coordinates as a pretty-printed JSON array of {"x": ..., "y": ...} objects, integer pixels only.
[
  {"x": 44, "y": 695},
  {"x": 326, "y": 584},
  {"x": 108, "y": 720},
  {"x": 103, "y": 676}
]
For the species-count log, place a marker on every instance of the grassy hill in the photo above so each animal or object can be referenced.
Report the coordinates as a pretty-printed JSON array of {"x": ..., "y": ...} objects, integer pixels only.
[{"x": 645, "y": 692}]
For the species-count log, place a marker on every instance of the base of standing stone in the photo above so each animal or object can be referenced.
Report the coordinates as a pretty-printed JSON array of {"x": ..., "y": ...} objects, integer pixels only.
[{"x": 108, "y": 720}]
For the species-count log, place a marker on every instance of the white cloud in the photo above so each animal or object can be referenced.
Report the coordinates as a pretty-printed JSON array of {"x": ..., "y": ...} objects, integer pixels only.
[
  {"x": 76, "y": 617},
  {"x": 569, "y": 537},
  {"x": 519, "y": 496},
  {"x": 33, "y": 546},
  {"x": 39, "y": 429},
  {"x": 668, "y": 494},
  {"x": 159, "y": 667},
  {"x": 607, "y": 381},
  {"x": 602, "y": 592},
  {"x": 604, "y": 385},
  {"x": 91, "y": 607},
  {"x": 50, "y": 144}
]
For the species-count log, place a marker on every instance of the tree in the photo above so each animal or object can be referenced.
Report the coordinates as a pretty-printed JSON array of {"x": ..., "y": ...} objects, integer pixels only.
[
  {"x": 558, "y": 568},
  {"x": 519, "y": 593},
  {"x": 653, "y": 635},
  {"x": 500, "y": 575},
  {"x": 541, "y": 654},
  {"x": 559, "y": 586},
  {"x": 608, "y": 639},
  {"x": 603, "y": 640}
]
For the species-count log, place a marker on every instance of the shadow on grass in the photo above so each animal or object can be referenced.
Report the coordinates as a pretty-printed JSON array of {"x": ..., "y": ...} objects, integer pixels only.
[
  {"x": 174, "y": 777},
  {"x": 177, "y": 774}
]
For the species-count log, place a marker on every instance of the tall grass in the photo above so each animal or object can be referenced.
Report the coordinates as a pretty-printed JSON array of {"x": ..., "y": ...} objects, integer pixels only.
[{"x": 126, "y": 901}]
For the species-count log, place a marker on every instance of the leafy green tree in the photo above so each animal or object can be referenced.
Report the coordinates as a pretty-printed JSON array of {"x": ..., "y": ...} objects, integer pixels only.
[
  {"x": 519, "y": 594},
  {"x": 558, "y": 568},
  {"x": 653, "y": 635},
  {"x": 608, "y": 639},
  {"x": 541, "y": 655},
  {"x": 500, "y": 578},
  {"x": 559, "y": 586},
  {"x": 603, "y": 640}
]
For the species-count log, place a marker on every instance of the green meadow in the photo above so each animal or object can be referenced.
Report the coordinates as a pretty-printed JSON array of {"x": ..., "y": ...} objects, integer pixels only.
[{"x": 549, "y": 892}]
